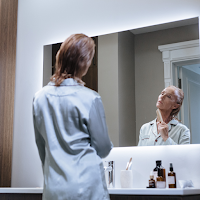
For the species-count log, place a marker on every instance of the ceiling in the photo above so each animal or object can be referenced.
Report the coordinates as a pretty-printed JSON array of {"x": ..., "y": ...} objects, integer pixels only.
[{"x": 166, "y": 26}]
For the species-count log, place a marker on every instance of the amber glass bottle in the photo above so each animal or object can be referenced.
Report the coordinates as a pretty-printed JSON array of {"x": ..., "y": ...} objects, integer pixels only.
[
  {"x": 161, "y": 183},
  {"x": 152, "y": 181},
  {"x": 171, "y": 177},
  {"x": 155, "y": 171}
]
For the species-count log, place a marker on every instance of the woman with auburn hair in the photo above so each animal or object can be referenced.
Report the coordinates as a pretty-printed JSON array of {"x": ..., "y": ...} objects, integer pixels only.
[
  {"x": 167, "y": 130},
  {"x": 70, "y": 127}
]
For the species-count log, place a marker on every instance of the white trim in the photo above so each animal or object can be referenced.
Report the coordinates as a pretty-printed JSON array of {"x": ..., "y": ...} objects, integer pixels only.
[
  {"x": 174, "y": 53},
  {"x": 188, "y": 105},
  {"x": 189, "y": 82},
  {"x": 179, "y": 45}
]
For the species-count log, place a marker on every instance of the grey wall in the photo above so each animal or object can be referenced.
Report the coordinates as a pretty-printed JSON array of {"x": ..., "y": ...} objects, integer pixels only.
[
  {"x": 149, "y": 68},
  {"x": 47, "y": 64},
  {"x": 116, "y": 80},
  {"x": 108, "y": 82},
  {"x": 126, "y": 69}
]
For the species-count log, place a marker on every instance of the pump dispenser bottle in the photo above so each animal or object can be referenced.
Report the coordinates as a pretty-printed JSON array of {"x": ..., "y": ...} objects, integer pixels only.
[{"x": 171, "y": 177}]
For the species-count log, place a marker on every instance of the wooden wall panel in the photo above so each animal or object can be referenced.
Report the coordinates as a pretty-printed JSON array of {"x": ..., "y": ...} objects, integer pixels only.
[{"x": 8, "y": 33}]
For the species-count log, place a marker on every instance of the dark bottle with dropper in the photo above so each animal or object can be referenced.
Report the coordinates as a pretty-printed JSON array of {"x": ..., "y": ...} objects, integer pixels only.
[{"x": 171, "y": 177}]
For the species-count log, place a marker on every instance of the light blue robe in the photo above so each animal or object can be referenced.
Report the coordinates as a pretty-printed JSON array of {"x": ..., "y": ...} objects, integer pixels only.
[
  {"x": 71, "y": 136},
  {"x": 178, "y": 134}
]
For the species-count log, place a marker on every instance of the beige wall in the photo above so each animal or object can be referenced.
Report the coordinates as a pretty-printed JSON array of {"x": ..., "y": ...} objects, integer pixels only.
[
  {"x": 149, "y": 68},
  {"x": 108, "y": 82},
  {"x": 126, "y": 59},
  {"x": 116, "y": 85}
]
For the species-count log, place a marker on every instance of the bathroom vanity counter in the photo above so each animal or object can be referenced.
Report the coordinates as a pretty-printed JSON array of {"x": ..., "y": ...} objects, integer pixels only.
[
  {"x": 21, "y": 190},
  {"x": 20, "y": 193},
  {"x": 154, "y": 191},
  {"x": 115, "y": 194},
  {"x": 121, "y": 191}
]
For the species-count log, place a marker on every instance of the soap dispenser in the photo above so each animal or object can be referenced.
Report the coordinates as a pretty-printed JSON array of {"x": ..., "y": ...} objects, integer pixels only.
[{"x": 171, "y": 177}]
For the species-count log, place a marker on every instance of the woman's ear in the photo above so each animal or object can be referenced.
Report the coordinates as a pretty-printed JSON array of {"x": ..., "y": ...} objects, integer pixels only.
[{"x": 176, "y": 105}]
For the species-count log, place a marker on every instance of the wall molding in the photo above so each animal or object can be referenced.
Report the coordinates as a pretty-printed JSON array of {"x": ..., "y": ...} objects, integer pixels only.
[{"x": 174, "y": 54}]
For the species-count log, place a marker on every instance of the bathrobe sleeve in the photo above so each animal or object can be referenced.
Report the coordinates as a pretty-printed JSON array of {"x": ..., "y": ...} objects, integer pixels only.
[
  {"x": 140, "y": 143},
  {"x": 184, "y": 138},
  {"x": 97, "y": 128},
  {"x": 40, "y": 142}
]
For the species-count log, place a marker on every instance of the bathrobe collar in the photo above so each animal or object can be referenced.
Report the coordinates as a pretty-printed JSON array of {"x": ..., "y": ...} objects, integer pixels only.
[
  {"x": 67, "y": 82},
  {"x": 153, "y": 124}
]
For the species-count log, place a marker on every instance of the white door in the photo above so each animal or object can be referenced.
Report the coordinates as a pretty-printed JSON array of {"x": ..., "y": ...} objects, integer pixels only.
[{"x": 191, "y": 105}]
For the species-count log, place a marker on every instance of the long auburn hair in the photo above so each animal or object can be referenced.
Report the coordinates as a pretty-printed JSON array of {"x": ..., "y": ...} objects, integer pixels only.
[{"x": 73, "y": 57}]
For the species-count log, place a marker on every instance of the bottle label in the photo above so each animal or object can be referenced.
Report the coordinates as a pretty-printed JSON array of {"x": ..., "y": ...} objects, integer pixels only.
[
  {"x": 161, "y": 184},
  {"x": 155, "y": 174},
  {"x": 152, "y": 184},
  {"x": 171, "y": 180}
]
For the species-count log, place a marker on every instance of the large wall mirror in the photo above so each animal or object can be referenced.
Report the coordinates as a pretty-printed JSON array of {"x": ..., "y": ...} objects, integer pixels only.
[{"x": 130, "y": 73}]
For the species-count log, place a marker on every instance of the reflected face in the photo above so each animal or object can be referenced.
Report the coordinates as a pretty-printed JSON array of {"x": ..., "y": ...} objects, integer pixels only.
[{"x": 167, "y": 99}]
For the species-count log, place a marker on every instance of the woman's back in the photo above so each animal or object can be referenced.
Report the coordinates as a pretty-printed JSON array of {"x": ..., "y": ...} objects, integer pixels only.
[{"x": 70, "y": 131}]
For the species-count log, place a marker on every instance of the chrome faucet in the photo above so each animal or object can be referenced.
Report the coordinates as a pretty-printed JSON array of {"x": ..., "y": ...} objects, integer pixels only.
[{"x": 110, "y": 170}]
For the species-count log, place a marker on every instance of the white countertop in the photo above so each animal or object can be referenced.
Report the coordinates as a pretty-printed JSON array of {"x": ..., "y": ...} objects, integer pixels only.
[
  {"x": 154, "y": 191},
  {"x": 20, "y": 190},
  {"x": 120, "y": 191}
]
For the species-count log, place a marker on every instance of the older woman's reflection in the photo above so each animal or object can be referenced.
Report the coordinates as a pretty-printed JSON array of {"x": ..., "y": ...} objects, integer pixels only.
[{"x": 170, "y": 131}]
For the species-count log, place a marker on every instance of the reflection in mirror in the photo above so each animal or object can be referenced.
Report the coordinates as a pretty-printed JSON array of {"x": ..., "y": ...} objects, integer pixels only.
[
  {"x": 181, "y": 63},
  {"x": 191, "y": 87},
  {"x": 131, "y": 75}
]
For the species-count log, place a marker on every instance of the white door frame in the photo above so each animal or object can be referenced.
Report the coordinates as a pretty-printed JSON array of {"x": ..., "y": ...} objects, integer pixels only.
[{"x": 178, "y": 54}]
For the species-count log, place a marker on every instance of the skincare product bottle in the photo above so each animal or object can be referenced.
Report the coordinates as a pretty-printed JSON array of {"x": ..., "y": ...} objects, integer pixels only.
[
  {"x": 171, "y": 177},
  {"x": 155, "y": 170},
  {"x": 161, "y": 183},
  {"x": 151, "y": 181},
  {"x": 164, "y": 173},
  {"x": 159, "y": 166}
]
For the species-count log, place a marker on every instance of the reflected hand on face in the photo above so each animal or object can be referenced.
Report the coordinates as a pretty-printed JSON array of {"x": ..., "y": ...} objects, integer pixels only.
[{"x": 163, "y": 130}]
